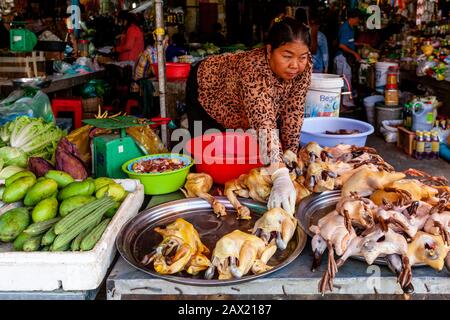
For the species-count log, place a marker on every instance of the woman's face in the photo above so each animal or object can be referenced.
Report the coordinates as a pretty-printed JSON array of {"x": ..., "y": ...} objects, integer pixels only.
[{"x": 288, "y": 60}]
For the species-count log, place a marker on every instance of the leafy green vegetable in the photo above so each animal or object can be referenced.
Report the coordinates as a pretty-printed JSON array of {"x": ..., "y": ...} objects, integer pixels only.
[
  {"x": 5, "y": 133},
  {"x": 7, "y": 172},
  {"x": 26, "y": 137},
  {"x": 13, "y": 156}
]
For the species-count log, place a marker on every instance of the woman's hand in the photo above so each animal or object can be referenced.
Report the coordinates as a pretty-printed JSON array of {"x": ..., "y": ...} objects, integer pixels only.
[{"x": 283, "y": 193}]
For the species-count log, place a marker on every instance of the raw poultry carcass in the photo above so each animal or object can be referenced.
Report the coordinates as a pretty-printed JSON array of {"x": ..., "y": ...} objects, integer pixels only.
[
  {"x": 237, "y": 253},
  {"x": 319, "y": 178},
  {"x": 313, "y": 152},
  {"x": 357, "y": 157},
  {"x": 408, "y": 218},
  {"x": 333, "y": 232},
  {"x": 256, "y": 184},
  {"x": 301, "y": 191},
  {"x": 181, "y": 249},
  {"x": 396, "y": 191},
  {"x": 347, "y": 152},
  {"x": 340, "y": 168},
  {"x": 439, "y": 224},
  {"x": 360, "y": 210},
  {"x": 400, "y": 222},
  {"x": 428, "y": 249},
  {"x": 427, "y": 178},
  {"x": 276, "y": 224},
  {"x": 294, "y": 164},
  {"x": 198, "y": 185},
  {"x": 381, "y": 241},
  {"x": 365, "y": 181}
]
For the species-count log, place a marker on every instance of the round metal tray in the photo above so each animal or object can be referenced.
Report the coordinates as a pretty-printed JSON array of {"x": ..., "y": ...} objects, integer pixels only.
[
  {"x": 314, "y": 207},
  {"x": 137, "y": 238}
]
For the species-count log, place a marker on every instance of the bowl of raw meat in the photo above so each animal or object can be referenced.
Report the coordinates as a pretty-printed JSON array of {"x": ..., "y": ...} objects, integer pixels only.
[{"x": 159, "y": 173}]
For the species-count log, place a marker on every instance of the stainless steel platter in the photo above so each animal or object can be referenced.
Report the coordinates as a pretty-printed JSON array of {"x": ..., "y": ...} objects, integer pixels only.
[
  {"x": 314, "y": 207},
  {"x": 137, "y": 237}
]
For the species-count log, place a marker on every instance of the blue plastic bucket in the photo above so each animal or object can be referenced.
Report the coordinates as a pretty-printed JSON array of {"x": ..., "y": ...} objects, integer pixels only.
[{"x": 313, "y": 130}]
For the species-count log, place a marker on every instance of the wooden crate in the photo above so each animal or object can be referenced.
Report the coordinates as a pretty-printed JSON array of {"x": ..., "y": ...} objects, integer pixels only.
[
  {"x": 22, "y": 65},
  {"x": 405, "y": 140}
]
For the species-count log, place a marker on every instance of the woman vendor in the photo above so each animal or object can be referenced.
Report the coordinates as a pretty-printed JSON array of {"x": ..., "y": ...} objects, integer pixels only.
[{"x": 263, "y": 89}]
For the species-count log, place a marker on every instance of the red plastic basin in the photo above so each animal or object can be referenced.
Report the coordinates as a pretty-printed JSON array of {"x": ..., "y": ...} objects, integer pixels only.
[
  {"x": 174, "y": 70},
  {"x": 224, "y": 156}
]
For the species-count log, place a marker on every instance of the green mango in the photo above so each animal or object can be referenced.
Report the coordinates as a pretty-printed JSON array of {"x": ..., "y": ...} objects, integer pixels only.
[
  {"x": 41, "y": 190},
  {"x": 12, "y": 223},
  {"x": 18, "y": 189},
  {"x": 77, "y": 188},
  {"x": 101, "y": 182},
  {"x": 45, "y": 210},
  {"x": 114, "y": 190},
  {"x": 62, "y": 178},
  {"x": 17, "y": 176}
]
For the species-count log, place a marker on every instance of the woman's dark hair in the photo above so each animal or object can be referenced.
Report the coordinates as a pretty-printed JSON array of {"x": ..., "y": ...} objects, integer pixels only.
[{"x": 287, "y": 30}]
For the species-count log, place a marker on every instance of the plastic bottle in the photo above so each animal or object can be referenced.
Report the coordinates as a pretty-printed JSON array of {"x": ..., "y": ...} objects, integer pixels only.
[
  {"x": 435, "y": 144},
  {"x": 420, "y": 146},
  {"x": 428, "y": 153}
]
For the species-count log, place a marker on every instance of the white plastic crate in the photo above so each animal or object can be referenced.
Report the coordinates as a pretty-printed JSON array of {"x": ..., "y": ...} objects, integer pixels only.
[{"x": 48, "y": 271}]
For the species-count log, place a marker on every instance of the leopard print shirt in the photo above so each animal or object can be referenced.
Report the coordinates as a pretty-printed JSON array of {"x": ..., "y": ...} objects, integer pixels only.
[{"x": 241, "y": 91}]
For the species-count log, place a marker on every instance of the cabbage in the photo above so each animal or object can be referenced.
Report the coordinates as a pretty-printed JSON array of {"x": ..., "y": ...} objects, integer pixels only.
[
  {"x": 13, "y": 156},
  {"x": 31, "y": 136},
  {"x": 5, "y": 133},
  {"x": 7, "y": 172}
]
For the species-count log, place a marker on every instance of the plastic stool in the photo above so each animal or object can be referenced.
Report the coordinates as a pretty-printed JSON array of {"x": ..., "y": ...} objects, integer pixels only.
[
  {"x": 131, "y": 103},
  {"x": 73, "y": 105},
  {"x": 107, "y": 108}
]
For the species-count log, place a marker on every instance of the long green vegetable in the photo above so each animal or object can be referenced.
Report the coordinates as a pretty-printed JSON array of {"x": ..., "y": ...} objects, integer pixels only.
[
  {"x": 76, "y": 215},
  {"x": 65, "y": 238}
]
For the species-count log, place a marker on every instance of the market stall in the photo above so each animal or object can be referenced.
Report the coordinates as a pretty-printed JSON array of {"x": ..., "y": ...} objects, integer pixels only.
[
  {"x": 196, "y": 224},
  {"x": 355, "y": 280}
]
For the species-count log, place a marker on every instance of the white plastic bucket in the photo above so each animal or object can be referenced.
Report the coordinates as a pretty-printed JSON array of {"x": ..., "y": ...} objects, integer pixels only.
[
  {"x": 369, "y": 105},
  {"x": 324, "y": 95},
  {"x": 381, "y": 69}
]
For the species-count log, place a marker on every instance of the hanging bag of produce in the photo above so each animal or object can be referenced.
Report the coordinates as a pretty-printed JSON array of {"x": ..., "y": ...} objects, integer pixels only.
[{"x": 26, "y": 102}]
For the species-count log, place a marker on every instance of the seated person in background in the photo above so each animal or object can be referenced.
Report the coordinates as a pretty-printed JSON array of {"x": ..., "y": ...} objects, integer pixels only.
[
  {"x": 143, "y": 71},
  {"x": 176, "y": 48},
  {"x": 319, "y": 46},
  {"x": 132, "y": 40},
  {"x": 217, "y": 37}
]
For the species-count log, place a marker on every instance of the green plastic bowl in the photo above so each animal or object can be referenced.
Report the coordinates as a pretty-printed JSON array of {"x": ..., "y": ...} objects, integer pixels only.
[{"x": 164, "y": 182}]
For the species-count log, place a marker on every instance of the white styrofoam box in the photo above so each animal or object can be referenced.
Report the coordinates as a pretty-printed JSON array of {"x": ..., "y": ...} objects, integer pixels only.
[{"x": 48, "y": 271}]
